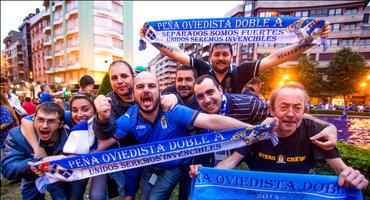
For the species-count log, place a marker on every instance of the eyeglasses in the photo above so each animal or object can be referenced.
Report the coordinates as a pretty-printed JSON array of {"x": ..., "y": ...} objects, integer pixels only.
[{"x": 49, "y": 122}]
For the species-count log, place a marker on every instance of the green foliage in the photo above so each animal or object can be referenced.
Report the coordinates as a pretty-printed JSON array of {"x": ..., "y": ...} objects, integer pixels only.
[
  {"x": 309, "y": 75},
  {"x": 338, "y": 112},
  {"x": 355, "y": 157},
  {"x": 266, "y": 78},
  {"x": 345, "y": 70},
  {"x": 105, "y": 86}
]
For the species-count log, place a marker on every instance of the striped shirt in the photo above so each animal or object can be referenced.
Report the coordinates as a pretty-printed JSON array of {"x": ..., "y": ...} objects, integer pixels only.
[{"x": 246, "y": 108}]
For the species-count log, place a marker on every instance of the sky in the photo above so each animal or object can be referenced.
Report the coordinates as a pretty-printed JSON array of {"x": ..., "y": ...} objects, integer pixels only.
[{"x": 13, "y": 12}]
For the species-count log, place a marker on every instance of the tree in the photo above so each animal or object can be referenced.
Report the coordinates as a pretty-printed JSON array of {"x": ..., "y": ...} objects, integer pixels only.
[
  {"x": 105, "y": 86},
  {"x": 344, "y": 72},
  {"x": 309, "y": 75}
]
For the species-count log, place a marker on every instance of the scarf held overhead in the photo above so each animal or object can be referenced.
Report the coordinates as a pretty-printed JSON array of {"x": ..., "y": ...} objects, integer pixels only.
[
  {"x": 211, "y": 183},
  {"x": 236, "y": 30}
]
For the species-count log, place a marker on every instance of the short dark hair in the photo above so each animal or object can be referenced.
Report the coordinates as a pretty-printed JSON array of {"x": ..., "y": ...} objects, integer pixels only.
[
  {"x": 42, "y": 86},
  {"x": 187, "y": 68},
  {"x": 124, "y": 62},
  {"x": 28, "y": 98},
  {"x": 200, "y": 79},
  {"x": 51, "y": 108},
  {"x": 86, "y": 80},
  {"x": 213, "y": 46},
  {"x": 254, "y": 81}
]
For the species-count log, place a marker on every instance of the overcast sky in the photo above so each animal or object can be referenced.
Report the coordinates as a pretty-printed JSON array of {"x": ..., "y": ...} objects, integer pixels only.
[{"x": 13, "y": 12}]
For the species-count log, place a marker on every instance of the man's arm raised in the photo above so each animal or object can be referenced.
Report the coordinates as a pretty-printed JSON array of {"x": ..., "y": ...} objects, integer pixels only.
[{"x": 290, "y": 52}]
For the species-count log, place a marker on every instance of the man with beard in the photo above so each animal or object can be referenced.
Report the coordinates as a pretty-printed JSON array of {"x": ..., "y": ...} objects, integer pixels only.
[
  {"x": 184, "y": 90},
  {"x": 294, "y": 153},
  {"x": 48, "y": 124},
  {"x": 231, "y": 78},
  {"x": 184, "y": 86},
  {"x": 147, "y": 122},
  {"x": 120, "y": 99}
]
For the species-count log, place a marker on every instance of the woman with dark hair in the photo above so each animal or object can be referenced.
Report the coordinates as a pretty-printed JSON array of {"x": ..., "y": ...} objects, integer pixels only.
[{"x": 8, "y": 119}]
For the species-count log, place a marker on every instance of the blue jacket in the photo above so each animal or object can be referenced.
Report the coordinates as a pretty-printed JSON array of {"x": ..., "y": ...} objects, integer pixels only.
[{"x": 18, "y": 153}]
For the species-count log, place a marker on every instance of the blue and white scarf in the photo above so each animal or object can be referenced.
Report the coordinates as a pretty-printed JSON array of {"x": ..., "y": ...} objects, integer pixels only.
[
  {"x": 236, "y": 30},
  {"x": 211, "y": 183},
  {"x": 88, "y": 165}
]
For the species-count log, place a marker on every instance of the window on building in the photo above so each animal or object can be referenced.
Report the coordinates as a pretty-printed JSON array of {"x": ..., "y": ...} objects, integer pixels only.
[
  {"x": 319, "y": 13},
  {"x": 72, "y": 22},
  {"x": 117, "y": 26},
  {"x": 71, "y": 5},
  {"x": 73, "y": 59},
  {"x": 284, "y": 14},
  {"x": 349, "y": 26},
  {"x": 102, "y": 41},
  {"x": 101, "y": 21},
  {"x": 268, "y": 14},
  {"x": 351, "y": 11},
  {"x": 117, "y": 8},
  {"x": 347, "y": 42},
  {"x": 364, "y": 41},
  {"x": 325, "y": 56},
  {"x": 101, "y": 5},
  {"x": 335, "y": 27},
  {"x": 58, "y": 30},
  {"x": 301, "y": 14},
  {"x": 334, "y": 42},
  {"x": 117, "y": 43},
  {"x": 366, "y": 18},
  {"x": 335, "y": 12}
]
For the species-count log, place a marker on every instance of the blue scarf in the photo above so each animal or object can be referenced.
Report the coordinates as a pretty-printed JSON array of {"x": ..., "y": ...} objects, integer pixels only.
[
  {"x": 211, "y": 183},
  {"x": 236, "y": 30}
]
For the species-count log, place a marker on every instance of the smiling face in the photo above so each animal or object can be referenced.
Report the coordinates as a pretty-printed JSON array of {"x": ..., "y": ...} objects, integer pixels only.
[
  {"x": 289, "y": 107},
  {"x": 221, "y": 58},
  {"x": 209, "y": 96},
  {"x": 146, "y": 92},
  {"x": 121, "y": 79},
  {"x": 47, "y": 125},
  {"x": 185, "y": 81},
  {"x": 81, "y": 110}
]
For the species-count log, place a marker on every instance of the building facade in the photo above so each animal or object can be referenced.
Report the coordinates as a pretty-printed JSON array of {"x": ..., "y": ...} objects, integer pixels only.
[
  {"x": 24, "y": 28},
  {"x": 81, "y": 37},
  {"x": 165, "y": 70},
  {"x": 14, "y": 57},
  {"x": 37, "y": 50},
  {"x": 350, "y": 27}
]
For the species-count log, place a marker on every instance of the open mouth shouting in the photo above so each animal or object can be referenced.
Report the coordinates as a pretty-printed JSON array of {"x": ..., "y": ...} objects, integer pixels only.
[
  {"x": 45, "y": 134},
  {"x": 147, "y": 100}
]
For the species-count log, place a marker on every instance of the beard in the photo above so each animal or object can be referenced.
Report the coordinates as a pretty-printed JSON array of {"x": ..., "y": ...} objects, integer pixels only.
[{"x": 220, "y": 70}]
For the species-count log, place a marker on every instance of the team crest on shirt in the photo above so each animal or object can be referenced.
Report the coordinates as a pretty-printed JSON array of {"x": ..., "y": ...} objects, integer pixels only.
[
  {"x": 163, "y": 122},
  {"x": 280, "y": 158},
  {"x": 139, "y": 127}
]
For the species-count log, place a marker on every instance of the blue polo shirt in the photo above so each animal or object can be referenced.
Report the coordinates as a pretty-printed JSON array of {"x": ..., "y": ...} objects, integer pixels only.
[{"x": 167, "y": 125}]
